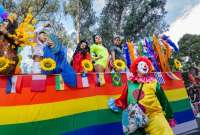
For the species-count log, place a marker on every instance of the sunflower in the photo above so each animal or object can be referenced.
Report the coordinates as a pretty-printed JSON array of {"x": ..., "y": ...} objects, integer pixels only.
[
  {"x": 4, "y": 63},
  {"x": 119, "y": 65},
  {"x": 47, "y": 64},
  {"x": 177, "y": 64},
  {"x": 87, "y": 65}
]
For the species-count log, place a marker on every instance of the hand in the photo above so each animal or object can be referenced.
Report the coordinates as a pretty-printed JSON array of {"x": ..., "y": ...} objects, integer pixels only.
[{"x": 50, "y": 44}]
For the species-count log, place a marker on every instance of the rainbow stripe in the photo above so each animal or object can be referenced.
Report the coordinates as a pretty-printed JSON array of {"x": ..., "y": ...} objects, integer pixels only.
[
  {"x": 179, "y": 101},
  {"x": 70, "y": 111}
]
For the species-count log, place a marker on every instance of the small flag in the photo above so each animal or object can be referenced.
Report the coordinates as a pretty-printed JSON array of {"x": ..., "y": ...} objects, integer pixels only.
[
  {"x": 59, "y": 83},
  {"x": 116, "y": 79},
  {"x": 172, "y": 76},
  {"x": 82, "y": 80},
  {"x": 14, "y": 84},
  {"x": 19, "y": 84},
  {"x": 11, "y": 85},
  {"x": 85, "y": 80},
  {"x": 100, "y": 79},
  {"x": 38, "y": 83},
  {"x": 159, "y": 77}
]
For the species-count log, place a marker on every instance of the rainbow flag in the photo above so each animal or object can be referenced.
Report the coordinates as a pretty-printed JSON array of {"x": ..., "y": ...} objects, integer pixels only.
[
  {"x": 68, "y": 112},
  {"x": 179, "y": 101}
]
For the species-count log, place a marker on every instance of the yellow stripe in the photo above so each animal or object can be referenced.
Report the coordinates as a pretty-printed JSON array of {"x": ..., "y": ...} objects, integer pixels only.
[
  {"x": 38, "y": 112},
  {"x": 176, "y": 94}
]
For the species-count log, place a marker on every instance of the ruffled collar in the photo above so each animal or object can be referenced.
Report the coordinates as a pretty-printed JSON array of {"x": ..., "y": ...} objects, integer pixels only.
[{"x": 142, "y": 79}]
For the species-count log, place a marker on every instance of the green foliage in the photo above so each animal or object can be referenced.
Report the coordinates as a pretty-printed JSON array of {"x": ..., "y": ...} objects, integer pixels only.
[
  {"x": 42, "y": 9},
  {"x": 189, "y": 47},
  {"x": 132, "y": 17},
  {"x": 145, "y": 17}
]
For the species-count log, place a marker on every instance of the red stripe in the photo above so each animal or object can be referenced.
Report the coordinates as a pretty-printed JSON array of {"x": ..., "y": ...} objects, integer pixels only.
[
  {"x": 26, "y": 97},
  {"x": 172, "y": 84}
]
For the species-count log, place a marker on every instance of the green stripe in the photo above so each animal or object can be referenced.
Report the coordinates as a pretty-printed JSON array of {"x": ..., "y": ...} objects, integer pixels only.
[
  {"x": 57, "y": 82},
  {"x": 180, "y": 105},
  {"x": 61, "y": 125}
]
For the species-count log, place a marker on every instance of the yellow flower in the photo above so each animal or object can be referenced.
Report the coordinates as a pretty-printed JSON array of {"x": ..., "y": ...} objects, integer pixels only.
[
  {"x": 25, "y": 32},
  {"x": 87, "y": 65},
  {"x": 177, "y": 64},
  {"x": 4, "y": 63},
  {"x": 48, "y": 64},
  {"x": 119, "y": 65}
]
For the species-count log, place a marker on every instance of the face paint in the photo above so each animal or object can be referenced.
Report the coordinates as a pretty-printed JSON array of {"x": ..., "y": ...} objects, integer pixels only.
[{"x": 142, "y": 67}]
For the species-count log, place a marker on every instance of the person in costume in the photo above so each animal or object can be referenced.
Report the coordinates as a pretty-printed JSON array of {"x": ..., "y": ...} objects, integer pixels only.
[
  {"x": 41, "y": 41},
  {"x": 82, "y": 52},
  {"x": 56, "y": 51},
  {"x": 152, "y": 99},
  {"x": 116, "y": 50},
  {"x": 99, "y": 54}
]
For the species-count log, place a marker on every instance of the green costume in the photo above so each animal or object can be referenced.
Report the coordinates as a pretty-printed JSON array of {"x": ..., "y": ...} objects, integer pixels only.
[{"x": 99, "y": 51}]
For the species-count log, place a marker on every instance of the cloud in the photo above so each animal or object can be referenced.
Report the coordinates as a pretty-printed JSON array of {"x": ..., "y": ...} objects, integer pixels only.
[
  {"x": 187, "y": 23},
  {"x": 177, "y": 8}
]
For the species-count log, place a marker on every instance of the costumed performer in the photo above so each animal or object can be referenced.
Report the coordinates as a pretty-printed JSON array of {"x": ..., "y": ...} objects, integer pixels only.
[
  {"x": 56, "y": 51},
  {"x": 152, "y": 101},
  {"x": 82, "y": 52},
  {"x": 41, "y": 40},
  {"x": 99, "y": 54},
  {"x": 116, "y": 50}
]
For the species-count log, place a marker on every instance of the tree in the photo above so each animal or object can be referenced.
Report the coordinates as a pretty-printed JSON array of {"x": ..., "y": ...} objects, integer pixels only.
[
  {"x": 83, "y": 16},
  {"x": 132, "y": 17},
  {"x": 189, "y": 48},
  {"x": 145, "y": 17},
  {"x": 42, "y": 9},
  {"x": 111, "y": 19}
]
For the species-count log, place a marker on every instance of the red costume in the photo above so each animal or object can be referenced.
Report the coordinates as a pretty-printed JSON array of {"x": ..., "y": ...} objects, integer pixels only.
[{"x": 77, "y": 59}]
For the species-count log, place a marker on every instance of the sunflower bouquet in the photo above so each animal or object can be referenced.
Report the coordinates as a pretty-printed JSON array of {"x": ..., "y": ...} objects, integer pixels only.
[
  {"x": 177, "y": 64},
  {"x": 119, "y": 65},
  {"x": 87, "y": 65},
  {"x": 47, "y": 64},
  {"x": 5, "y": 64}
]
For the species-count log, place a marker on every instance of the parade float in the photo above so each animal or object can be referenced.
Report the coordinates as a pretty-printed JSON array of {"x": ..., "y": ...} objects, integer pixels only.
[{"x": 42, "y": 104}]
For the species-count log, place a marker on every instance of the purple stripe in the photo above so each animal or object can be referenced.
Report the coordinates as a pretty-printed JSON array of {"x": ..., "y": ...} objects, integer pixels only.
[{"x": 184, "y": 127}]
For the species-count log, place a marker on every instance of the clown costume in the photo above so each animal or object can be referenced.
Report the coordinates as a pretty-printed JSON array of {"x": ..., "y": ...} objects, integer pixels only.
[{"x": 152, "y": 100}]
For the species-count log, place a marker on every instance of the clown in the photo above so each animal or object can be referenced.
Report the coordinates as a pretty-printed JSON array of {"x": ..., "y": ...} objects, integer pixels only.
[{"x": 152, "y": 99}]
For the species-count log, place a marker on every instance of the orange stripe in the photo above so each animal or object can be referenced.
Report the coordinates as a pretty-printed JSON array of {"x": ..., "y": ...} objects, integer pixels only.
[{"x": 26, "y": 97}]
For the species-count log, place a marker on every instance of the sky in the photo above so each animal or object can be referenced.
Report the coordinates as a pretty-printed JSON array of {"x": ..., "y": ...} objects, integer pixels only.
[{"x": 183, "y": 17}]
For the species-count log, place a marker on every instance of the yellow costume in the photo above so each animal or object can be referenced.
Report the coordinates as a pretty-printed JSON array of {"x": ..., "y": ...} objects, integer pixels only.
[
  {"x": 143, "y": 90},
  {"x": 158, "y": 124},
  {"x": 154, "y": 104}
]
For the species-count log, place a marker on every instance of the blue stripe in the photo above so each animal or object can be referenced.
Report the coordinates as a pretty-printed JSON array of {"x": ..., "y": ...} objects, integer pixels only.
[
  {"x": 184, "y": 116},
  {"x": 107, "y": 129},
  {"x": 9, "y": 85}
]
